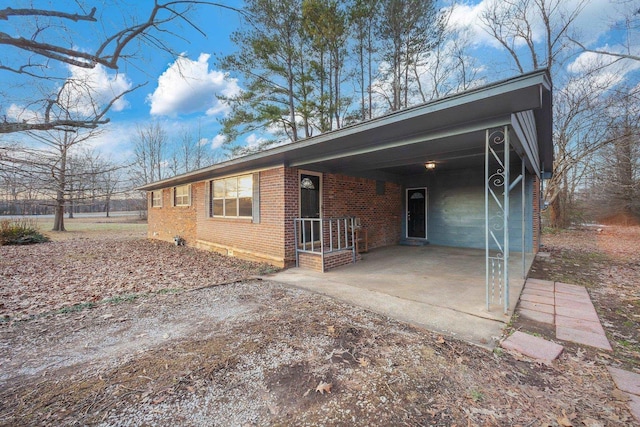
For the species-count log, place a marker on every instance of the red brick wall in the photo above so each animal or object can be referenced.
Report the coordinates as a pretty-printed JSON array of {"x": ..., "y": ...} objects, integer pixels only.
[
  {"x": 169, "y": 221},
  {"x": 380, "y": 214},
  {"x": 241, "y": 237},
  {"x": 272, "y": 239},
  {"x": 313, "y": 261}
]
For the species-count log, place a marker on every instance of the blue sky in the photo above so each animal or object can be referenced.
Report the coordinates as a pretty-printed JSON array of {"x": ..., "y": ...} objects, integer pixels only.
[{"x": 180, "y": 94}]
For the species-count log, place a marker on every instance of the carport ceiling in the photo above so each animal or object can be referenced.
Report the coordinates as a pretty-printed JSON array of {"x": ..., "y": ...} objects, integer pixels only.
[{"x": 456, "y": 151}]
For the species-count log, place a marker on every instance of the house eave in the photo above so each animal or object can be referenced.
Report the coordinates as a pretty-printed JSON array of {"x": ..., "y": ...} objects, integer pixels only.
[{"x": 445, "y": 117}]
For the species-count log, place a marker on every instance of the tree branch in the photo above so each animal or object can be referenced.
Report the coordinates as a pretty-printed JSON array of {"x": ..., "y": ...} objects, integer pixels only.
[{"x": 6, "y": 13}]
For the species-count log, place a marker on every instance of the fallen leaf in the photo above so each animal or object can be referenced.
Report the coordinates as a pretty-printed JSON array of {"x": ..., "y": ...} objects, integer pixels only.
[
  {"x": 564, "y": 421},
  {"x": 620, "y": 395},
  {"x": 440, "y": 339},
  {"x": 590, "y": 422},
  {"x": 159, "y": 399},
  {"x": 322, "y": 387},
  {"x": 363, "y": 362},
  {"x": 331, "y": 331}
]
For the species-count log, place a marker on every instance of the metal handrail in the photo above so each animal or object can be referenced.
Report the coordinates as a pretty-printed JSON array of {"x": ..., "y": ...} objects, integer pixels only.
[{"x": 334, "y": 234}]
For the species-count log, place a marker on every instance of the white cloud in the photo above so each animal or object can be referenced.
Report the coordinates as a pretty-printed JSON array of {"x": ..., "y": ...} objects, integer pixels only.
[
  {"x": 189, "y": 86},
  {"x": 604, "y": 70},
  {"x": 115, "y": 142},
  {"x": 254, "y": 141},
  {"x": 22, "y": 114},
  {"x": 218, "y": 141},
  {"x": 95, "y": 89},
  {"x": 593, "y": 21},
  {"x": 466, "y": 16},
  {"x": 86, "y": 92}
]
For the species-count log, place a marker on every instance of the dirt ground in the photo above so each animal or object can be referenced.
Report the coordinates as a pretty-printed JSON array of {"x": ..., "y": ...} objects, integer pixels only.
[{"x": 110, "y": 329}]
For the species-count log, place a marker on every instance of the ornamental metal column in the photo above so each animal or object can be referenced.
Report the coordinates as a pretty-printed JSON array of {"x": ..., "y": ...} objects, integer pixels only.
[{"x": 497, "y": 217}]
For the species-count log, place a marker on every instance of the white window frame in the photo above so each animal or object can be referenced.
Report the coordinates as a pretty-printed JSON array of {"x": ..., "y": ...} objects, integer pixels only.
[
  {"x": 224, "y": 198},
  {"x": 182, "y": 196},
  {"x": 156, "y": 199}
]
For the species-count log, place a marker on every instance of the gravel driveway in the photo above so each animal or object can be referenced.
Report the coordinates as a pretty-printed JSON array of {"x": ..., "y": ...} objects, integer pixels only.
[{"x": 133, "y": 332}]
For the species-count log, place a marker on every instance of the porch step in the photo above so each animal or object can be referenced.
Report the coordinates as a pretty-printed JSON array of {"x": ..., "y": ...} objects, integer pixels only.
[{"x": 414, "y": 242}]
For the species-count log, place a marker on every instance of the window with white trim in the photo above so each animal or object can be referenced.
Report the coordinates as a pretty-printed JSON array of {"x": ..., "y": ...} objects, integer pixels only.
[
  {"x": 156, "y": 199},
  {"x": 182, "y": 195},
  {"x": 232, "y": 197}
]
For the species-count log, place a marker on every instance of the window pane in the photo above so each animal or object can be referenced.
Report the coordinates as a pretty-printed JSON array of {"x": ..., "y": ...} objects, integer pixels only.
[
  {"x": 218, "y": 189},
  {"x": 231, "y": 188},
  {"x": 218, "y": 207},
  {"x": 245, "y": 186},
  {"x": 231, "y": 207},
  {"x": 245, "y": 206}
]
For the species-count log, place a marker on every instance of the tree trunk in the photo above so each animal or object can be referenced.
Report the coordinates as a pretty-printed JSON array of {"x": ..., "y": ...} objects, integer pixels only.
[
  {"x": 58, "y": 220},
  {"x": 554, "y": 213}
]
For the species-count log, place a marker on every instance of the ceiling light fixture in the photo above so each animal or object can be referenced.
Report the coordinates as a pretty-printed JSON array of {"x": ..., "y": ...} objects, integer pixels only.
[{"x": 430, "y": 165}]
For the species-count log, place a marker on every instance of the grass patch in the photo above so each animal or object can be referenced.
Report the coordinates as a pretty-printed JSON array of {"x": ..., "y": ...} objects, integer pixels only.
[
  {"x": 476, "y": 395},
  {"x": 121, "y": 298},
  {"x": 166, "y": 291},
  {"x": 75, "y": 308}
]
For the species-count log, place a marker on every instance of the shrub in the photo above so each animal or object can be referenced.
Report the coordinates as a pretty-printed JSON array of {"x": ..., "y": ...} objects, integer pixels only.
[{"x": 20, "y": 232}]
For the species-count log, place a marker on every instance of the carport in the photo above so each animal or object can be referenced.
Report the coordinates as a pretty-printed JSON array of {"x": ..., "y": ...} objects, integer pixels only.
[{"x": 478, "y": 159}]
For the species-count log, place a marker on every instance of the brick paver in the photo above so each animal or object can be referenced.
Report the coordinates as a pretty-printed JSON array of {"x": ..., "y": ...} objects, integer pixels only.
[
  {"x": 538, "y": 316},
  {"x": 535, "y": 347},
  {"x": 583, "y": 337},
  {"x": 628, "y": 382},
  {"x": 545, "y": 308},
  {"x": 634, "y": 406},
  {"x": 625, "y": 380},
  {"x": 537, "y": 299}
]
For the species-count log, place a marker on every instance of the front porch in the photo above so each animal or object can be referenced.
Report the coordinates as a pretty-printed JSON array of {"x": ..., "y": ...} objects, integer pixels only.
[{"x": 436, "y": 287}]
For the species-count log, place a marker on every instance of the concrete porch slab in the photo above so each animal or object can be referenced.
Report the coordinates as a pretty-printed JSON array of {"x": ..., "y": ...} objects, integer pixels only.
[{"x": 439, "y": 288}]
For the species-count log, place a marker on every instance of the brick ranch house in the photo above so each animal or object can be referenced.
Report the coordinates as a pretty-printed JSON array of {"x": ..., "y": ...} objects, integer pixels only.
[{"x": 435, "y": 173}]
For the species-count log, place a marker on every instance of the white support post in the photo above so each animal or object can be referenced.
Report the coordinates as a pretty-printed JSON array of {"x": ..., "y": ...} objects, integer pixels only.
[
  {"x": 524, "y": 222},
  {"x": 507, "y": 181},
  {"x": 486, "y": 219}
]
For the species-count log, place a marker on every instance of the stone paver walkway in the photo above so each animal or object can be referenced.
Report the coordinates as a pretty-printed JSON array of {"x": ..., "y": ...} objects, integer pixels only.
[
  {"x": 566, "y": 306},
  {"x": 570, "y": 309}
]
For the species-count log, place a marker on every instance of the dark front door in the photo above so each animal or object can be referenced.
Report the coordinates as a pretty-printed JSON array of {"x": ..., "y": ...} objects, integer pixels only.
[
  {"x": 417, "y": 213},
  {"x": 310, "y": 205}
]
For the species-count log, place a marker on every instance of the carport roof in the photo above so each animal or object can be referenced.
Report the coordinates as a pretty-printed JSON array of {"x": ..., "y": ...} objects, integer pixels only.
[{"x": 450, "y": 131}]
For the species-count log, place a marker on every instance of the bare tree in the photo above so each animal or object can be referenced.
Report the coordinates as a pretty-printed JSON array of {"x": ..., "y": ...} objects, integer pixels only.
[
  {"x": 36, "y": 43},
  {"x": 149, "y": 150},
  {"x": 449, "y": 67},
  {"x": 615, "y": 188},
  {"x": 628, "y": 27}
]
